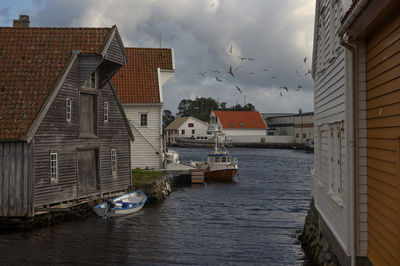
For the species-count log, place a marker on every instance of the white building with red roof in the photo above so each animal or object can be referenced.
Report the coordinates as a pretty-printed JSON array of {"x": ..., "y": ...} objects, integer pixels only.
[
  {"x": 139, "y": 87},
  {"x": 240, "y": 126}
]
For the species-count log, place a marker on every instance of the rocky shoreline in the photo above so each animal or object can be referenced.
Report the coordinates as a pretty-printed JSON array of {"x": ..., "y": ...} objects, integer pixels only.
[{"x": 313, "y": 242}]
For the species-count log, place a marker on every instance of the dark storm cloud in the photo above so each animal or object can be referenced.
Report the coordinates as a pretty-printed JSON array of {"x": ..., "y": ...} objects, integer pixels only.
[{"x": 278, "y": 34}]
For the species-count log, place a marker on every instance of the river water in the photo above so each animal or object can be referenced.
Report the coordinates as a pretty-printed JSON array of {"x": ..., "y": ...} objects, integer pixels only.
[{"x": 253, "y": 222}]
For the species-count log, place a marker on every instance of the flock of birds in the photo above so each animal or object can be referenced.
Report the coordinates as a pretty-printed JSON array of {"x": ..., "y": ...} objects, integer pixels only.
[{"x": 233, "y": 71}]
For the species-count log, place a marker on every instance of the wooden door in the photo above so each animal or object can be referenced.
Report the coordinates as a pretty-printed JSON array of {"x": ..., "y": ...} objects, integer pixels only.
[
  {"x": 87, "y": 121},
  {"x": 383, "y": 132},
  {"x": 88, "y": 179}
]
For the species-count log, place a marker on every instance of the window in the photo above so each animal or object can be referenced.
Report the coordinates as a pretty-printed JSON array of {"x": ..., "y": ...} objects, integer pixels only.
[
  {"x": 91, "y": 81},
  {"x": 143, "y": 120},
  {"x": 183, "y": 132},
  {"x": 297, "y": 135},
  {"x": 105, "y": 111},
  {"x": 190, "y": 125},
  {"x": 114, "y": 162},
  {"x": 335, "y": 175},
  {"x": 193, "y": 131},
  {"x": 53, "y": 167},
  {"x": 68, "y": 109},
  {"x": 304, "y": 135}
]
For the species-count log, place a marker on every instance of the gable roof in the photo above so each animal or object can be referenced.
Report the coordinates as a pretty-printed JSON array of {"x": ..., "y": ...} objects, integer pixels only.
[
  {"x": 138, "y": 81},
  {"x": 240, "y": 119},
  {"x": 32, "y": 62},
  {"x": 177, "y": 123}
]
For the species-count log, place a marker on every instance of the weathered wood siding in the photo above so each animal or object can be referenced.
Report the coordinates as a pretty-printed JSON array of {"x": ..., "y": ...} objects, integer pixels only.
[
  {"x": 383, "y": 132},
  {"x": 15, "y": 186},
  {"x": 147, "y": 138},
  {"x": 330, "y": 120},
  {"x": 115, "y": 51},
  {"x": 55, "y": 134}
]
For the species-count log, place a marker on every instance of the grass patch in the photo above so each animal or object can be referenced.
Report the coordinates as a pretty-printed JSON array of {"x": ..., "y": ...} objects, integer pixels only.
[{"x": 140, "y": 177}]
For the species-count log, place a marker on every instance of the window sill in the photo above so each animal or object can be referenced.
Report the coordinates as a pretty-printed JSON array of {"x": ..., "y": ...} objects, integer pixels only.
[{"x": 88, "y": 136}]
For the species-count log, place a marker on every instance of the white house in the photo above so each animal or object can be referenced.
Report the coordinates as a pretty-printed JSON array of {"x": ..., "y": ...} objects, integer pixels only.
[
  {"x": 240, "y": 126},
  {"x": 332, "y": 182},
  {"x": 185, "y": 127},
  {"x": 139, "y": 86}
]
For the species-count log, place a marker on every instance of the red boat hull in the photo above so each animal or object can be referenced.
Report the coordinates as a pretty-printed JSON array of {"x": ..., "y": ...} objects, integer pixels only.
[{"x": 225, "y": 175}]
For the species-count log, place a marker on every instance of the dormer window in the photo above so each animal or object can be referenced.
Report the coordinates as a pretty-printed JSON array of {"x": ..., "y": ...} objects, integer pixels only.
[{"x": 91, "y": 81}]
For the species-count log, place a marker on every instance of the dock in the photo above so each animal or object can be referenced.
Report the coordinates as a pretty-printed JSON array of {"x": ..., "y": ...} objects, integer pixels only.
[{"x": 180, "y": 169}]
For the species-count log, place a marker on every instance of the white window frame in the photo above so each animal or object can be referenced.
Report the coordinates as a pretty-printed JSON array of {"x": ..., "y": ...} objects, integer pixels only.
[
  {"x": 335, "y": 189},
  {"x": 113, "y": 154},
  {"x": 106, "y": 106},
  {"x": 147, "y": 119},
  {"x": 53, "y": 167},
  {"x": 68, "y": 109}
]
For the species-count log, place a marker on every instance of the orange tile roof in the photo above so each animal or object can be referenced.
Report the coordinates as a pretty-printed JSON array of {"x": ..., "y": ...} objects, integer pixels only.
[
  {"x": 240, "y": 119},
  {"x": 137, "y": 81},
  {"x": 31, "y": 60}
]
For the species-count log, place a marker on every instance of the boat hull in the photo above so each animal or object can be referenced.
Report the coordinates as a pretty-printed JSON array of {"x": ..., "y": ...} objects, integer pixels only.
[
  {"x": 223, "y": 175},
  {"x": 125, "y": 204}
]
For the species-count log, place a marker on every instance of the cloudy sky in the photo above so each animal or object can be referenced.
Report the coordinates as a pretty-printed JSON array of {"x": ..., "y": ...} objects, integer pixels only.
[{"x": 207, "y": 36}]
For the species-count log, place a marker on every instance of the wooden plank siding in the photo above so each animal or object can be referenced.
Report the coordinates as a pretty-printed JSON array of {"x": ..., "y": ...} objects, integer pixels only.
[
  {"x": 147, "y": 139},
  {"x": 14, "y": 180},
  {"x": 383, "y": 133},
  {"x": 55, "y": 134}
]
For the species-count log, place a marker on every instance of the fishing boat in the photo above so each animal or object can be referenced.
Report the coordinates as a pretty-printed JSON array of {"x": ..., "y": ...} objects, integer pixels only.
[
  {"x": 220, "y": 166},
  {"x": 125, "y": 204}
]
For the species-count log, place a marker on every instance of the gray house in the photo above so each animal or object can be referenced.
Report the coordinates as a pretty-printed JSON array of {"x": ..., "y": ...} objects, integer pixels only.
[{"x": 63, "y": 133}]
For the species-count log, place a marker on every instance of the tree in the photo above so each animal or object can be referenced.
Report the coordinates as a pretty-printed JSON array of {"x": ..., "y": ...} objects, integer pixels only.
[
  {"x": 167, "y": 118},
  {"x": 239, "y": 107},
  {"x": 199, "y": 108}
]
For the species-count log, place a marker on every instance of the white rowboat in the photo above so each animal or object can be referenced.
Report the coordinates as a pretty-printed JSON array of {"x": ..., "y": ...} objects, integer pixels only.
[{"x": 125, "y": 204}]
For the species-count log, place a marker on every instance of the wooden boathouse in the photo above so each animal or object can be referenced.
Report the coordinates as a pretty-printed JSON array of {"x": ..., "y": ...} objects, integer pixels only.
[{"x": 63, "y": 133}]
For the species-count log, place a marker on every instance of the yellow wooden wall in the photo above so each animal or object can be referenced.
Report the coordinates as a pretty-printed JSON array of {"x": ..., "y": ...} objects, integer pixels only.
[{"x": 383, "y": 132}]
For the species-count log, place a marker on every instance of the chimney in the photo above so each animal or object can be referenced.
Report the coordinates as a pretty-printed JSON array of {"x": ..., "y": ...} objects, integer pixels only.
[{"x": 22, "y": 22}]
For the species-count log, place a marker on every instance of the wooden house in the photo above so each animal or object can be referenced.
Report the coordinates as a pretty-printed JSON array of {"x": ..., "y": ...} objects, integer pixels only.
[
  {"x": 370, "y": 32},
  {"x": 240, "y": 126},
  {"x": 185, "y": 127},
  {"x": 139, "y": 86},
  {"x": 356, "y": 183},
  {"x": 63, "y": 132}
]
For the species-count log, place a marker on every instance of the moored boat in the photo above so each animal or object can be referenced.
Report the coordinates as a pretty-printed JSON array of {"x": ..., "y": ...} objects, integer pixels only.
[
  {"x": 125, "y": 204},
  {"x": 220, "y": 166}
]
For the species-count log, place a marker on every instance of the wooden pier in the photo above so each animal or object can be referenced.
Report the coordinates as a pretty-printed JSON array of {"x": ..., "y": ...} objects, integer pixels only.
[{"x": 179, "y": 169}]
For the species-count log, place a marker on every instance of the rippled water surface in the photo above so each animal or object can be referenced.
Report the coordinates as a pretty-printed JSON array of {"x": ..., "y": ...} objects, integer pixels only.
[{"x": 253, "y": 222}]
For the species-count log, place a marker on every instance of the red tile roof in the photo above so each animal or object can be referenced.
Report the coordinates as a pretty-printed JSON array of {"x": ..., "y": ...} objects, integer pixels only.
[
  {"x": 31, "y": 61},
  {"x": 137, "y": 81},
  {"x": 240, "y": 119}
]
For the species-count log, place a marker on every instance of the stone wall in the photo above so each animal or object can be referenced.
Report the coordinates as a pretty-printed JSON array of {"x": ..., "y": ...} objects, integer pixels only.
[{"x": 314, "y": 244}]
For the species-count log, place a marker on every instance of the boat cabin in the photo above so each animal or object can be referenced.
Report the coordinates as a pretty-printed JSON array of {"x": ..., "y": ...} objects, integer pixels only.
[{"x": 220, "y": 159}]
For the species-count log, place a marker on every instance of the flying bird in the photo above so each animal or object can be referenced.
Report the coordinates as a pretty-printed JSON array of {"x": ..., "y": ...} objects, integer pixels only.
[
  {"x": 299, "y": 87},
  {"x": 305, "y": 59},
  {"x": 251, "y": 59},
  {"x": 202, "y": 74},
  {"x": 273, "y": 77},
  {"x": 238, "y": 67},
  {"x": 242, "y": 58},
  {"x": 251, "y": 73},
  {"x": 218, "y": 79},
  {"x": 281, "y": 94},
  {"x": 308, "y": 72},
  {"x": 216, "y": 71},
  {"x": 264, "y": 69},
  {"x": 230, "y": 50},
  {"x": 239, "y": 89},
  {"x": 285, "y": 88},
  {"x": 230, "y": 71}
]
